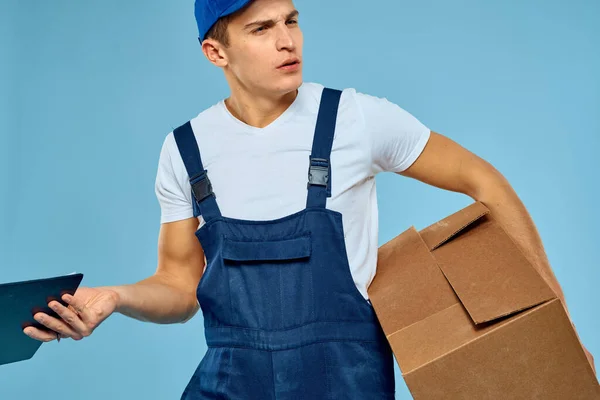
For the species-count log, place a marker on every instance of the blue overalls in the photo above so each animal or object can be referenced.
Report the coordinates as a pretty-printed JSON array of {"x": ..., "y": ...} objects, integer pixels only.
[{"x": 283, "y": 318}]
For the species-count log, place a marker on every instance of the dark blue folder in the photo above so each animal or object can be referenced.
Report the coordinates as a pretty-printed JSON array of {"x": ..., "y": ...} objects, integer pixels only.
[{"x": 19, "y": 302}]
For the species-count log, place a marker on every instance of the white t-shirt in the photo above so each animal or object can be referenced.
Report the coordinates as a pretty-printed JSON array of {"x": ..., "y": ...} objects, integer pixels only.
[{"x": 262, "y": 173}]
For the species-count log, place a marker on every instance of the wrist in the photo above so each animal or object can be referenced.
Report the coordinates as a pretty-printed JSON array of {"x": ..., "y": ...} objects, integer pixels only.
[{"x": 117, "y": 293}]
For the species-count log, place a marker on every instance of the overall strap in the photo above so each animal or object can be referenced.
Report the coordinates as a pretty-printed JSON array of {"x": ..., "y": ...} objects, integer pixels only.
[
  {"x": 204, "y": 199},
  {"x": 319, "y": 172}
]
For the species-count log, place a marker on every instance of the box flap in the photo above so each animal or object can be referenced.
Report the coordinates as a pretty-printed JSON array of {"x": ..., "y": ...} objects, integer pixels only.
[
  {"x": 442, "y": 231},
  {"x": 408, "y": 286},
  {"x": 486, "y": 269}
]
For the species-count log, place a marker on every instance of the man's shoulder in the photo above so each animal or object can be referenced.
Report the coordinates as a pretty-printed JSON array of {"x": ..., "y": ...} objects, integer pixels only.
[
  {"x": 348, "y": 98},
  {"x": 351, "y": 96},
  {"x": 205, "y": 117},
  {"x": 208, "y": 115},
  {"x": 317, "y": 88}
]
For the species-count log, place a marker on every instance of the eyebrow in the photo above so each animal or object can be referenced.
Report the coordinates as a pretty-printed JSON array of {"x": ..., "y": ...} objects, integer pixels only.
[{"x": 270, "y": 22}]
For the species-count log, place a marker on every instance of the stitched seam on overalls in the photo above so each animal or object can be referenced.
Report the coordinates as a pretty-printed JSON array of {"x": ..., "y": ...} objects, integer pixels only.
[
  {"x": 229, "y": 375},
  {"x": 239, "y": 346},
  {"x": 230, "y": 297},
  {"x": 318, "y": 321},
  {"x": 313, "y": 301},
  {"x": 273, "y": 378},
  {"x": 280, "y": 296},
  {"x": 327, "y": 373}
]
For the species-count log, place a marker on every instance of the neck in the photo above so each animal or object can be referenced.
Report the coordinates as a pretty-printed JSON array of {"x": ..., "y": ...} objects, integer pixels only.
[{"x": 258, "y": 110}]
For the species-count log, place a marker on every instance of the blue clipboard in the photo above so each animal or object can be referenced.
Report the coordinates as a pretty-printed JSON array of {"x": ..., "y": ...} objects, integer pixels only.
[{"x": 19, "y": 302}]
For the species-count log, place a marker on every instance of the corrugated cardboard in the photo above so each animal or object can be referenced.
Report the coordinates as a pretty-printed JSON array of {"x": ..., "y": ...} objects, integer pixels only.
[{"x": 468, "y": 317}]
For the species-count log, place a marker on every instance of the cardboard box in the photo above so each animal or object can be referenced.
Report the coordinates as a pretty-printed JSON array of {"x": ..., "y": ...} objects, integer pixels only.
[{"x": 468, "y": 317}]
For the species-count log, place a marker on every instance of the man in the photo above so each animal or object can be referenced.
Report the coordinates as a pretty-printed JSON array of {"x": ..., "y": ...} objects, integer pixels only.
[{"x": 277, "y": 244}]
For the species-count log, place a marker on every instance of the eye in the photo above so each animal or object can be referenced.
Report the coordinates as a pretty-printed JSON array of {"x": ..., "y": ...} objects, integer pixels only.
[
  {"x": 292, "y": 21},
  {"x": 260, "y": 29}
]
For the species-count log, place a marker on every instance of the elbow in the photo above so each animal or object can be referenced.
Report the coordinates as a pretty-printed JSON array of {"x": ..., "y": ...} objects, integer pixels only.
[
  {"x": 485, "y": 184},
  {"x": 192, "y": 309}
]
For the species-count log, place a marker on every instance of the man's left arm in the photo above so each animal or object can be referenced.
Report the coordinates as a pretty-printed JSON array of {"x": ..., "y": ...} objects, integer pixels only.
[{"x": 447, "y": 165}]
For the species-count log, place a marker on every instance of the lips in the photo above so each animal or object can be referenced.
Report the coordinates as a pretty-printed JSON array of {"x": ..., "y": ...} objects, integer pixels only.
[{"x": 288, "y": 62}]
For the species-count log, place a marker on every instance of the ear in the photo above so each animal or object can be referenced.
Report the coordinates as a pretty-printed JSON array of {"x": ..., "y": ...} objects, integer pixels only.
[{"x": 214, "y": 52}]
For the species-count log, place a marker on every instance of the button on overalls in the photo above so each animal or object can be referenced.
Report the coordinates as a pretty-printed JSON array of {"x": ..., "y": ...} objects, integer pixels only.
[{"x": 283, "y": 318}]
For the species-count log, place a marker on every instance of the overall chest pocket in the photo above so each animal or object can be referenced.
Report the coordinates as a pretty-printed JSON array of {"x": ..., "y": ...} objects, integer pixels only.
[
  {"x": 295, "y": 248},
  {"x": 270, "y": 281}
]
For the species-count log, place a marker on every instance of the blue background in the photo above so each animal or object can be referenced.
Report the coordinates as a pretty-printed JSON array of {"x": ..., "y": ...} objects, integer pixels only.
[{"x": 91, "y": 88}]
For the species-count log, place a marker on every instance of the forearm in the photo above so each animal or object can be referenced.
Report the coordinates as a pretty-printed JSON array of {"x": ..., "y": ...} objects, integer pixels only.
[
  {"x": 155, "y": 300},
  {"x": 506, "y": 207}
]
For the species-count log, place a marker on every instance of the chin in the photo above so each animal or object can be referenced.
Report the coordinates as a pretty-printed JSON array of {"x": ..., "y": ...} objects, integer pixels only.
[{"x": 288, "y": 84}]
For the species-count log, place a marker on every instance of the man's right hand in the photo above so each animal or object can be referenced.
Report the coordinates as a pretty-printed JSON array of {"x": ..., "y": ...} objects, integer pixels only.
[
  {"x": 168, "y": 296},
  {"x": 86, "y": 310}
]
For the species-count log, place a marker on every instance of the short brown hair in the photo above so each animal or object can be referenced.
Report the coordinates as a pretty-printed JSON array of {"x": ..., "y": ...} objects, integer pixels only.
[{"x": 218, "y": 31}]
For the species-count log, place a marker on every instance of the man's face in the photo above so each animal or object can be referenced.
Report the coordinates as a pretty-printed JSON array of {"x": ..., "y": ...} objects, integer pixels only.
[{"x": 265, "y": 52}]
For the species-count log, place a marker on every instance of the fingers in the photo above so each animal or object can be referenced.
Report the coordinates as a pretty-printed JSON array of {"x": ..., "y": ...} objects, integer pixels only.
[
  {"x": 72, "y": 320},
  {"x": 39, "y": 334},
  {"x": 77, "y": 306},
  {"x": 75, "y": 321},
  {"x": 57, "y": 326}
]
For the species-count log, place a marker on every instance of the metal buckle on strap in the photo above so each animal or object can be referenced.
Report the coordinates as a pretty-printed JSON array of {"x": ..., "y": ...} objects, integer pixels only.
[
  {"x": 318, "y": 173},
  {"x": 201, "y": 186}
]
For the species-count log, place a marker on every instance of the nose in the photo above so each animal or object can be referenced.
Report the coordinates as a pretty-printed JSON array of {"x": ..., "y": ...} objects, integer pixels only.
[{"x": 285, "y": 41}]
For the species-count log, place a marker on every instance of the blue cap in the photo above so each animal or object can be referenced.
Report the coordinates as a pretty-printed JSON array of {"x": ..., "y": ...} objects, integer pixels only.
[{"x": 207, "y": 12}]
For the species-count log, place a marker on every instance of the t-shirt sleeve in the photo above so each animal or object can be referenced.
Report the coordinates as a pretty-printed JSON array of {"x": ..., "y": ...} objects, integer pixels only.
[
  {"x": 172, "y": 188},
  {"x": 397, "y": 137}
]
